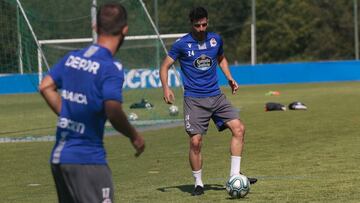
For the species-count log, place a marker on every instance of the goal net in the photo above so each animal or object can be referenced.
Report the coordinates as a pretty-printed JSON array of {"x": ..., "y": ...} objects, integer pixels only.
[{"x": 58, "y": 28}]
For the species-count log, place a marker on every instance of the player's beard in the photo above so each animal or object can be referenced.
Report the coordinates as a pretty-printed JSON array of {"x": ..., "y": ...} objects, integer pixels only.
[{"x": 200, "y": 36}]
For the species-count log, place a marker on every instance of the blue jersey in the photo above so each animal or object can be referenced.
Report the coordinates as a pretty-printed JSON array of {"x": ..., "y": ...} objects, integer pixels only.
[
  {"x": 198, "y": 61},
  {"x": 86, "y": 79}
]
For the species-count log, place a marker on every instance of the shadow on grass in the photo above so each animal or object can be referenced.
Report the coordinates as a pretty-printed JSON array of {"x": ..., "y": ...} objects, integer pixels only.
[{"x": 190, "y": 188}]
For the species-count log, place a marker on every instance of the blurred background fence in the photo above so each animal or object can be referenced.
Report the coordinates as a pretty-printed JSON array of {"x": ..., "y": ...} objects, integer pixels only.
[
  {"x": 262, "y": 32},
  {"x": 285, "y": 31}
]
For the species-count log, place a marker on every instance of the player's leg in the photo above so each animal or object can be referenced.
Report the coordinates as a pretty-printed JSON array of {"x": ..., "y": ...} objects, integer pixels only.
[
  {"x": 236, "y": 147},
  {"x": 225, "y": 116},
  {"x": 195, "y": 152},
  {"x": 195, "y": 160},
  {"x": 237, "y": 129},
  {"x": 89, "y": 183},
  {"x": 196, "y": 122}
]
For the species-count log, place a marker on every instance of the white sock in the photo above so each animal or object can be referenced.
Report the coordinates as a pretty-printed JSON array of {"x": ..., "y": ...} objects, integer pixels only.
[
  {"x": 197, "y": 177},
  {"x": 235, "y": 165}
]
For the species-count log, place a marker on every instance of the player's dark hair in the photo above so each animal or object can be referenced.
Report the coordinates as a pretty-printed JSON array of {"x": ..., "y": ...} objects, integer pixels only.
[
  {"x": 197, "y": 13},
  {"x": 111, "y": 19}
]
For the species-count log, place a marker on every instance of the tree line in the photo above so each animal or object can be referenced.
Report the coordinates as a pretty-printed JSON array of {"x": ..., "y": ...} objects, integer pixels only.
[{"x": 286, "y": 30}]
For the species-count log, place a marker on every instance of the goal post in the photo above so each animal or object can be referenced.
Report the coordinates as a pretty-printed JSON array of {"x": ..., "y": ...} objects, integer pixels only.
[
  {"x": 90, "y": 40},
  {"x": 141, "y": 74},
  {"x": 36, "y": 35}
]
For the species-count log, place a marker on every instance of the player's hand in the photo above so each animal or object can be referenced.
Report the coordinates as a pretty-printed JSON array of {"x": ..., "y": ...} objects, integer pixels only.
[
  {"x": 234, "y": 86},
  {"x": 169, "y": 96},
  {"x": 139, "y": 144}
]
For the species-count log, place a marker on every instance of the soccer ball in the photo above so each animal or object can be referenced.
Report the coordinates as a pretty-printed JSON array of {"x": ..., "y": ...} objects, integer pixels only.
[
  {"x": 133, "y": 116},
  {"x": 173, "y": 110},
  {"x": 148, "y": 106},
  {"x": 238, "y": 186}
]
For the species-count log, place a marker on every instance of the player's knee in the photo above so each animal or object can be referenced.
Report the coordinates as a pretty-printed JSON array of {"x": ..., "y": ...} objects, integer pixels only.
[
  {"x": 196, "y": 148},
  {"x": 239, "y": 130},
  {"x": 242, "y": 128},
  {"x": 195, "y": 145}
]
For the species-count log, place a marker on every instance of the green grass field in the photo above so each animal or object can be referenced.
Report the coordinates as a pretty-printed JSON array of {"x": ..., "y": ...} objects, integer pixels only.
[{"x": 298, "y": 156}]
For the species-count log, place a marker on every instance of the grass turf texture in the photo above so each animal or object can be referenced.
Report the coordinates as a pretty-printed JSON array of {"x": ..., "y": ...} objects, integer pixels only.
[
  {"x": 24, "y": 115},
  {"x": 298, "y": 156}
]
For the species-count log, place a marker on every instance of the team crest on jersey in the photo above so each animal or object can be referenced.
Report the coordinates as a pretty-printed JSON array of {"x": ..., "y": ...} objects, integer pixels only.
[
  {"x": 189, "y": 45},
  {"x": 213, "y": 42},
  {"x": 203, "y": 62}
]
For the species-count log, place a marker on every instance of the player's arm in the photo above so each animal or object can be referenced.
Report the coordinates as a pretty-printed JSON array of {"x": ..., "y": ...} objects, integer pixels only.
[
  {"x": 48, "y": 90},
  {"x": 119, "y": 121},
  {"x": 169, "y": 97},
  {"x": 224, "y": 65}
]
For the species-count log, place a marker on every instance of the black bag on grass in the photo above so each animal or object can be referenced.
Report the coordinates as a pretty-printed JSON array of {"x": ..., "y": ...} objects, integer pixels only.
[{"x": 272, "y": 106}]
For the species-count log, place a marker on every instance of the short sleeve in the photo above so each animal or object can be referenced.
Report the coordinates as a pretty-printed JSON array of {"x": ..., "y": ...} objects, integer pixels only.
[
  {"x": 56, "y": 71},
  {"x": 113, "y": 80},
  {"x": 221, "y": 50},
  {"x": 175, "y": 51}
]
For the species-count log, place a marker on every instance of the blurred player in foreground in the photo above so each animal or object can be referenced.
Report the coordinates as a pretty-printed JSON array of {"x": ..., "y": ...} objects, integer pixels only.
[
  {"x": 199, "y": 53},
  {"x": 90, "y": 83}
]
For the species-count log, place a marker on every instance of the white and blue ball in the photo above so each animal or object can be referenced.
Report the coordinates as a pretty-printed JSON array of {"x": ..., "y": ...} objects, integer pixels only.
[
  {"x": 133, "y": 116},
  {"x": 238, "y": 186},
  {"x": 173, "y": 110}
]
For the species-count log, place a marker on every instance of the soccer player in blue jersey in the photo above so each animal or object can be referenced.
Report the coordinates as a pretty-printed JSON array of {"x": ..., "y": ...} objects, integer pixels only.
[
  {"x": 199, "y": 52},
  {"x": 90, "y": 92}
]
